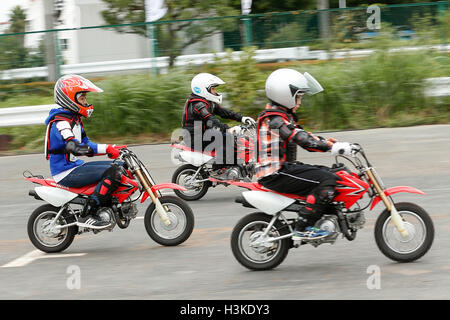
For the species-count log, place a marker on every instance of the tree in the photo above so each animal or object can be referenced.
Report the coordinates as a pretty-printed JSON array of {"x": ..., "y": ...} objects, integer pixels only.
[
  {"x": 17, "y": 19},
  {"x": 173, "y": 37},
  {"x": 14, "y": 53}
]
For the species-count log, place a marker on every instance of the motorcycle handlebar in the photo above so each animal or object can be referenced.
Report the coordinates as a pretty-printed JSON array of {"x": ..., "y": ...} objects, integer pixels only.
[{"x": 345, "y": 149}]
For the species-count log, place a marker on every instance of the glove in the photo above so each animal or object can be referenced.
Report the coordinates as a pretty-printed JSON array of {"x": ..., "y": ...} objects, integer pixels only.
[
  {"x": 113, "y": 151},
  {"x": 341, "y": 148},
  {"x": 235, "y": 130},
  {"x": 248, "y": 120}
]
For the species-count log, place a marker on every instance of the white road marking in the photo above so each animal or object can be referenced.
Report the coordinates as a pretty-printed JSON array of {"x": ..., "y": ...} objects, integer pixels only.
[{"x": 35, "y": 255}]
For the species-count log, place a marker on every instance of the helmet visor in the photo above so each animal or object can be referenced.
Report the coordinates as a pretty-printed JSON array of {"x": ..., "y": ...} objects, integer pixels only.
[
  {"x": 313, "y": 84},
  {"x": 88, "y": 86}
]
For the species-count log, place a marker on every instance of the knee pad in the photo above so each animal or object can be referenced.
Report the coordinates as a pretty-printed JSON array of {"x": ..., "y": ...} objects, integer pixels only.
[
  {"x": 111, "y": 179},
  {"x": 113, "y": 173},
  {"x": 325, "y": 192}
]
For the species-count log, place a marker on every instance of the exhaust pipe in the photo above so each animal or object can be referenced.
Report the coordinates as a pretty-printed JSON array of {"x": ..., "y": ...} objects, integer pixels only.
[{"x": 33, "y": 193}]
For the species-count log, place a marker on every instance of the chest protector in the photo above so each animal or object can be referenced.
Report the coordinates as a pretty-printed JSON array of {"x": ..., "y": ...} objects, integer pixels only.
[
  {"x": 288, "y": 150},
  {"x": 189, "y": 113},
  {"x": 72, "y": 119}
]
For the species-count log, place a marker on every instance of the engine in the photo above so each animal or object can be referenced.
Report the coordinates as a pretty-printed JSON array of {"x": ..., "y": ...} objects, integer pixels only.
[
  {"x": 331, "y": 224},
  {"x": 106, "y": 214},
  {"x": 129, "y": 210},
  {"x": 356, "y": 220}
]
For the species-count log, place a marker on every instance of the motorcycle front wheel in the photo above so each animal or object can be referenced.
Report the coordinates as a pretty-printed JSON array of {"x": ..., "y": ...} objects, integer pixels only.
[
  {"x": 49, "y": 239},
  {"x": 180, "y": 216},
  {"x": 420, "y": 233},
  {"x": 195, "y": 190},
  {"x": 250, "y": 248}
]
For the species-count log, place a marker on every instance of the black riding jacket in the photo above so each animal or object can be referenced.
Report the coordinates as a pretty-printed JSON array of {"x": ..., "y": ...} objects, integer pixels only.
[{"x": 200, "y": 109}]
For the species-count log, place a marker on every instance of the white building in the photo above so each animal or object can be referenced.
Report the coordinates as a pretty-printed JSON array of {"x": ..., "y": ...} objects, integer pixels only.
[
  {"x": 80, "y": 46},
  {"x": 96, "y": 44}
]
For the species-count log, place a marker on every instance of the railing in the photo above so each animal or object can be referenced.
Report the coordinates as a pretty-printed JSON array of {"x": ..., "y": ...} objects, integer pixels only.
[{"x": 264, "y": 55}]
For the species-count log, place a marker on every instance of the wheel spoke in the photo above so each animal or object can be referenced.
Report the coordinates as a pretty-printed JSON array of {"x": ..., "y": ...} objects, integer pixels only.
[
  {"x": 258, "y": 252},
  {"x": 416, "y": 233},
  {"x": 49, "y": 237},
  {"x": 177, "y": 218}
]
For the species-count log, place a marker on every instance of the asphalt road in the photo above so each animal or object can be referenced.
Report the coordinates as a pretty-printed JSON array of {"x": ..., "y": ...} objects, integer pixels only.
[{"x": 127, "y": 264}]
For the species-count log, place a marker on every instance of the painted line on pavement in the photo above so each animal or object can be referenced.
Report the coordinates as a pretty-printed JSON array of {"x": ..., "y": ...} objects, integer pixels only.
[{"x": 35, "y": 255}]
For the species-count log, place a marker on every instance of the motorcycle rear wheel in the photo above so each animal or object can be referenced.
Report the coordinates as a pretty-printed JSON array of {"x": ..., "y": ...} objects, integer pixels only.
[
  {"x": 49, "y": 241},
  {"x": 180, "y": 216},
  {"x": 416, "y": 244},
  {"x": 194, "y": 192},
  {"x": 248, "y": 229}
]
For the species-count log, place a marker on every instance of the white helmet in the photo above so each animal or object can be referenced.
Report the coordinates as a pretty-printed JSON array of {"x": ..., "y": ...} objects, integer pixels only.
[
  {"x": 283, "y": 85},
  {"x": 202, "y": 83}
]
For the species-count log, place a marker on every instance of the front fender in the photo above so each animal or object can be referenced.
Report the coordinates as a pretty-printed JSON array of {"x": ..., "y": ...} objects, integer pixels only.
[
  {"x": 157, "y": 187},
  {"x": 395, "y": 190}
]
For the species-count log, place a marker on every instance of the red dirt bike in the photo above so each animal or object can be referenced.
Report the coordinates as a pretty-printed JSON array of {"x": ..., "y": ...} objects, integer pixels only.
[
  {"x": 404, "y": 231},
  {"x": 194, "y": 174},
  {"x": 52, "y": 227}
]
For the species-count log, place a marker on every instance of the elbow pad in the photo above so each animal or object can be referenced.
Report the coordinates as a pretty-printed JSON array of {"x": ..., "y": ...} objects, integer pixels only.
[
  {"x": 201, "y": 109},
  {"x": 299, "y": 136},
  {"x": 303, "y": 139},
  {"x": 285, "y": 131},
  {"x": 77, "y": 149}
]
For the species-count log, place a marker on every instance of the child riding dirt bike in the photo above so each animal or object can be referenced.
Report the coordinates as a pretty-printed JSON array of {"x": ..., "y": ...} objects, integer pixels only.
[
  {"x": 199, "y": 122},
  {"x": 278, "y": 136},
  {"x": 66, "y": 140}
]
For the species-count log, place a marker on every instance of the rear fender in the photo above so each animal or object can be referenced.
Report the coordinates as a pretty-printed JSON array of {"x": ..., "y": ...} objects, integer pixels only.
[
  {"x": 157, "y": 187},
  {"x": 267, "y": 202},
  {"x": 55, "y": 196},
  {"x": 394, "y": 190},
  {"x": 195, "y": 158}
]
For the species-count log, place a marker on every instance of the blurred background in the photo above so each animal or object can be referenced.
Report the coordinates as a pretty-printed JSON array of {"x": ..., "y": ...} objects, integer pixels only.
[{"x": 381, "y": 63}]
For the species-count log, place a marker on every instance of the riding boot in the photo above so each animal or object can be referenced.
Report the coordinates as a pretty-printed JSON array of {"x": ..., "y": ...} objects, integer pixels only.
[
  {"x": 309, "y": 214},
  {"x": 90, "y": 207}
]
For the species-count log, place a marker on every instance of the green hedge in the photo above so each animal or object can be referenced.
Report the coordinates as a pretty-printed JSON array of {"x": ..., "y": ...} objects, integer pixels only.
[
  {"x": 139, "y": 104},
  {"x": 378, "y": 91}
]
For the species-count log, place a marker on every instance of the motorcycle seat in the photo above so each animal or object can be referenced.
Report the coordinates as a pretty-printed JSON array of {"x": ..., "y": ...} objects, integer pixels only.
[
  {"x": 255, "y": 186},
  {"x": 85, "y": 190}
]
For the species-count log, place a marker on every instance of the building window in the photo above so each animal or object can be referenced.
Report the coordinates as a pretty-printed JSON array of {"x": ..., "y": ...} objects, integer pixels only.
[{"x": 64, "y": 44}]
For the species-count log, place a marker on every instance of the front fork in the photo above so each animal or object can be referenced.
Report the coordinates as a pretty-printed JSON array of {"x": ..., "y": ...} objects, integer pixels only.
[
  {"x": 395, "y": 216},
  {"x": 159, "y": 208}
]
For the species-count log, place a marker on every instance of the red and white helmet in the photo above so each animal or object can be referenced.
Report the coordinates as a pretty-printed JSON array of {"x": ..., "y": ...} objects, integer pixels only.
[
  {"x": 67, "y": 90},
  {"x": 202, "y": 83}
]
